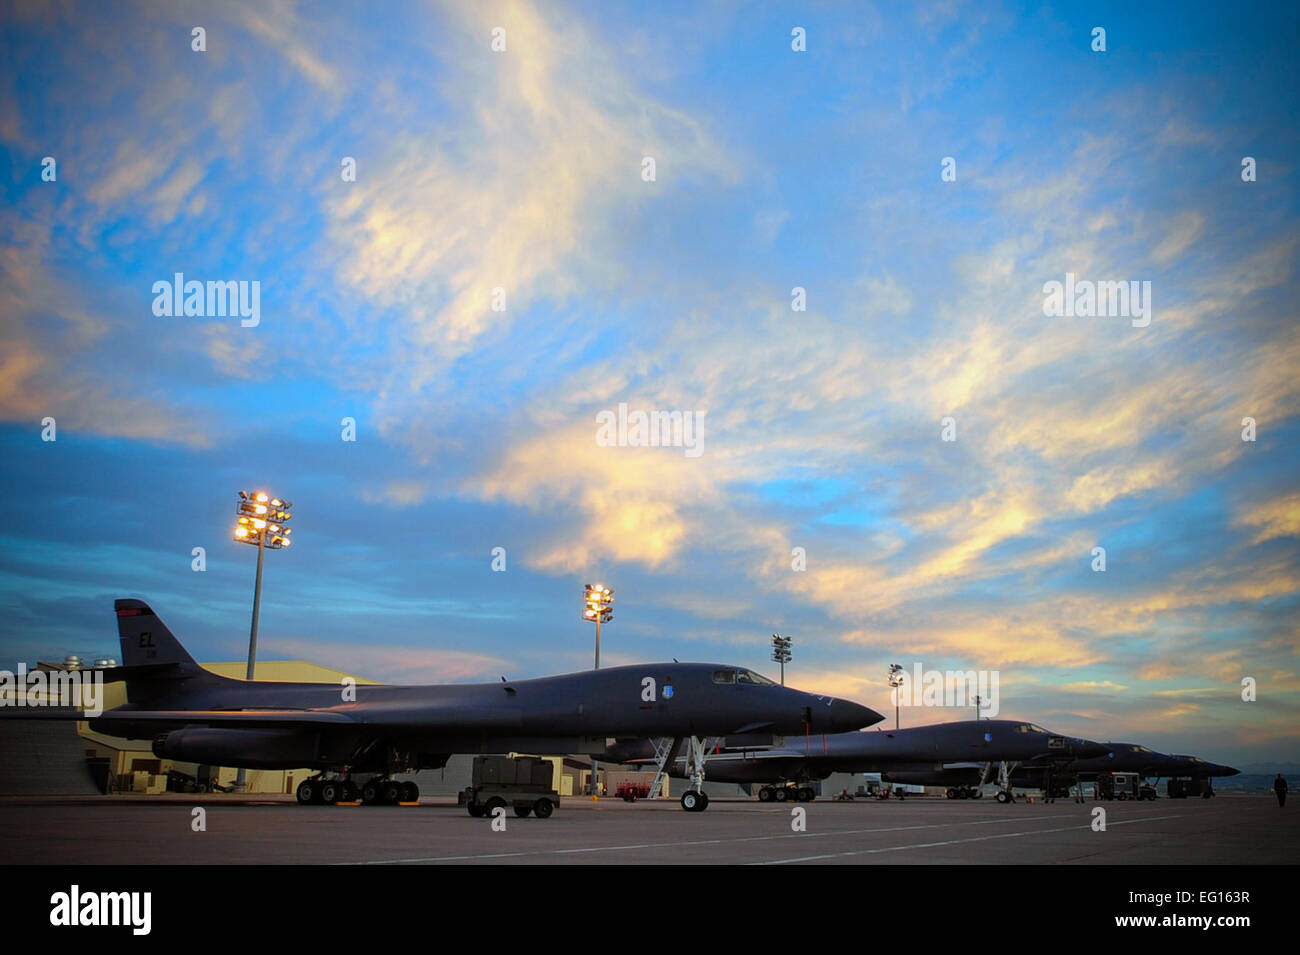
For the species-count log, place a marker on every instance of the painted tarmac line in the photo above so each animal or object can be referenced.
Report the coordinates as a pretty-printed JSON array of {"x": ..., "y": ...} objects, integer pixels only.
[
  {"x": 951, "y": 842},
  {"x": 711, "y": 842}
]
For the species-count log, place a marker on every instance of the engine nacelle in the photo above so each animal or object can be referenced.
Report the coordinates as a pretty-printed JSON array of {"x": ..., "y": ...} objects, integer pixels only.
[{"x": 255, "y": 748}]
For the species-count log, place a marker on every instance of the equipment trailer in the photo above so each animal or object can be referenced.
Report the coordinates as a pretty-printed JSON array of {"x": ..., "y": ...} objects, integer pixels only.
[{"x": 523, "y": 782}]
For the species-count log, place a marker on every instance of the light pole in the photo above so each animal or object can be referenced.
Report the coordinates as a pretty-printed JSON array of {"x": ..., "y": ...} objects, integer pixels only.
[
  {"x": 781, "y": 652},
  {"x": 261, "y": 520},
  {"x": 895, "y": 681},
  {"x": 598, "y": 607}
]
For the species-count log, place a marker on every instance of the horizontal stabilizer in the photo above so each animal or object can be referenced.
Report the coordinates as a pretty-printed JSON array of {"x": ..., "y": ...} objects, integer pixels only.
[
  {"x": 227, "y": 717},
  {"x": 41, "y": 713}
]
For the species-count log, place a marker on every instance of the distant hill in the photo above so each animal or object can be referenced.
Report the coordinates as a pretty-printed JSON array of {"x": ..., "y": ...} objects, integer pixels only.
[{"x": 1271, "y": 769}]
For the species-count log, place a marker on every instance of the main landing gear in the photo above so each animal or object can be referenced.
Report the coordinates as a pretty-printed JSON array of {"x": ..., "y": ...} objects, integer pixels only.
[
  {"x": 787, "y": 794},
  {"x": 388, "y": 792},
  {"x": 380, "y": 791},
  {"x": 326, "y": 791}
]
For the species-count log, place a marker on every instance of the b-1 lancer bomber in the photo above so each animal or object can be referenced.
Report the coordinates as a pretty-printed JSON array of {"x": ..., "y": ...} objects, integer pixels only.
[
  {"x": 194, "y": 715},
  {"x": 905, "y": 753}
]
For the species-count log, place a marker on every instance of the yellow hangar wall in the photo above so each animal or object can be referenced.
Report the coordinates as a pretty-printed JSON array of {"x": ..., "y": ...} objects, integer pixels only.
[{"x": 134, "y": 768}]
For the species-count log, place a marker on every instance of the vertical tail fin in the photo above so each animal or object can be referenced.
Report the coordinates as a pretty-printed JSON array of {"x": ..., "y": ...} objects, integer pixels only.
[{"x": 146, "y": 641}]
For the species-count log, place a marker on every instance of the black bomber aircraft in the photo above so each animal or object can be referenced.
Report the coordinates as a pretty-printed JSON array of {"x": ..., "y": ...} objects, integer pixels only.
[
  {"x": 197, "y": 716},
  {"x": 921, "y": 750},
  {"x": 962, "y": 780}
]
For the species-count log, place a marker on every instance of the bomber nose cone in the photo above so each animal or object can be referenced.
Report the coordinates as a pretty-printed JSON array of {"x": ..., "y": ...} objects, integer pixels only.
[{"x": 847, "y": 716}]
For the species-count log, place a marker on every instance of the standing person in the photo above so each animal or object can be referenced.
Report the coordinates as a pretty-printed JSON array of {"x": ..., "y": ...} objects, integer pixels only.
[{"x": 1279, "y": 789}]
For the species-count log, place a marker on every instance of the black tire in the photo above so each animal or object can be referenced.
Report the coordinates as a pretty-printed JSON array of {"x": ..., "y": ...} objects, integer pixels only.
[
  {"x": 410, "y": 792},
  {"x": 370, "y": 793},
  {"x": 766, "y": 794},
  {"x": 306, "y": 792},
  {"x": 475, "y": 810},
  {"x": 952, "y": 793},
  {"x": 390, "y": 792},
  {"x": 492, "y": 805},
  {"x": 780, "y": 794},
  {"x": 543, "y": 808},
  {"x": 704, "y": 802},
  {"x": 330, "y": 792},
  {"x": 691, "y": 800},
  {"x": 350, "y": 791},
  {"x": 1003, "y": 798},
  {"x": 523, "y": 811},
  {"x": 807, "y": 794}
]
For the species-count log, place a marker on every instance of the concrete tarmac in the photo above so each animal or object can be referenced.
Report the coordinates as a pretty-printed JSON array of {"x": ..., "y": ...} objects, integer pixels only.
[{"x": 157, "y": 830}]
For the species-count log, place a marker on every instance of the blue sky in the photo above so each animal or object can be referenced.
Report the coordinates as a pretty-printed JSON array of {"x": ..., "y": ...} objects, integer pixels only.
[{"x": 775, "y": 169}]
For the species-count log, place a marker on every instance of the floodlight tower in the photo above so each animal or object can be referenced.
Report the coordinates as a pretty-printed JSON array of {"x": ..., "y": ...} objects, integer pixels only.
[
  {"x": 781, "y": 652},
  {"x": 895, "y": 681},
  {"x": 598, "y": 607},
  {"x": 261, "y": 520}
]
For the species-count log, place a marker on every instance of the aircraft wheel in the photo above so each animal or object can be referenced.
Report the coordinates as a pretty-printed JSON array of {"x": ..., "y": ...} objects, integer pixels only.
[
  {"x": 780, "y": 794},
  {"x": 977, "y": 794},
  {"x": 306, "y": 792},
  {"x": 543, "y": 808},
  {"x": 330, "y": 792},
  {"x": 349, "y": 791},
  {"x": 692, "y": 800},
  {"x": 370, "y": 793},
  {"x": 807, "y": 794},
  {"x": 390, "y": 792},
  {"x": 766, "y": 794},
  {"x": 1003, "y": 798},
  {"x": 951, "y": 793},
  {"x": 523, "y": 811},
  {"x": 410, "y": 792}
]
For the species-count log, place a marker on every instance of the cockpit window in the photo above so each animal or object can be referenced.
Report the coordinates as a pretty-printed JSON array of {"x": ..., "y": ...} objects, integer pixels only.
[
  {"x": 724, "y": 676},
  {"x": 1035, "y": 728},
  {"x": 1022, "y": 728},
  {"x": 752, "y": 678}
]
